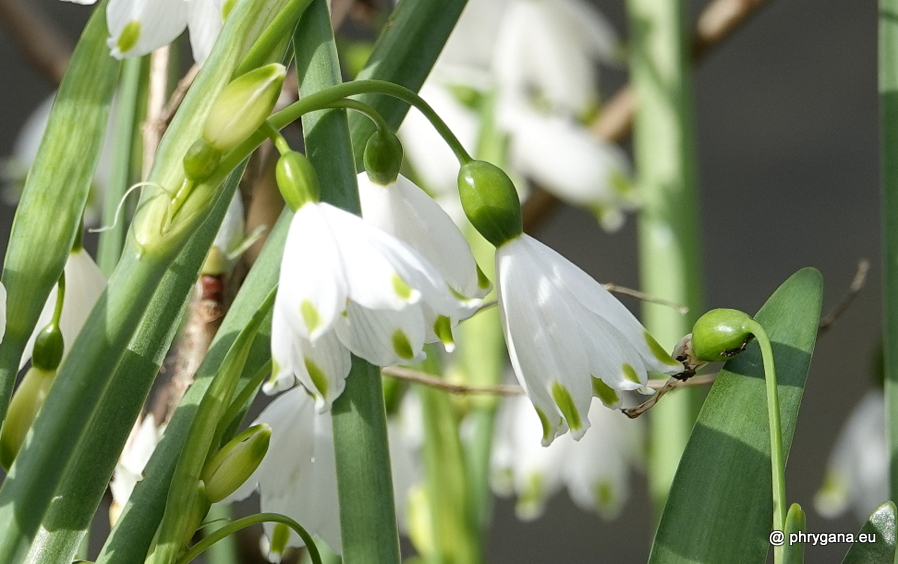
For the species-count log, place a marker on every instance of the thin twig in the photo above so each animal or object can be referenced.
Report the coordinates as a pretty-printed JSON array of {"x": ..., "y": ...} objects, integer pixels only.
[
  {"x": 158, "y": 85},
  {"x": 40, "y": 41},
  {"x": 680, "y": 308},
  {"x": 718, "y": 21},
  {"x": 663, "y": 388},
  {"x": 435, "y": 381},
  {"x": 860, "y": 278}
]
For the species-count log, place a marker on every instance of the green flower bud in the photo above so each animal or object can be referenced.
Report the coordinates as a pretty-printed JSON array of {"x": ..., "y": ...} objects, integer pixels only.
[
  {"x": 201, "y": 160},
  {"x": 490, "y": 201},
  {"x": 297, "y": 180},
  {"x": 720, "y": 334},
  {"x": 243, "y": 106},
  {"x": 383, "y": 157},
  {"x": 235, "y": 462},
  {"x": 23, "y": 409},
  {"x": 48, "y": 348}
]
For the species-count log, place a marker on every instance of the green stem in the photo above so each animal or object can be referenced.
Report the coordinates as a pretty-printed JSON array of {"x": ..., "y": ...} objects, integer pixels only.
[
  {"x": 245, "y": 522},
  {"x": 669, "y": 243},
  {"x": 364, "y": 482},
  {"x": 112, "y": 239},
  {"x": 777, "y": 458},
  {"x": 888, "y": 103},
  {"x": 224, "y": 551},
  {"x": 273, "y": 42},
  {"x": 364, "y": 109}
]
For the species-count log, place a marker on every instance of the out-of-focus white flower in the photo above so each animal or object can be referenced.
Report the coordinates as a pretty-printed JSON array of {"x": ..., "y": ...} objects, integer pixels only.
[
  {"x": 406, "y": 212},
  {"x": 595, "y": 470},
  {"x": 546, "y": 51},
  {"x": 2, "y": 312},
  {"x": 129, "y": 470},
  {"x": 568, "y": 338},
  {"x": 347, "y": 286},
  {"x": 856, "y": 475},
  {"x": 84, "y": 284},
  {"x": 298, "y": 477},
  {"x": 569, "y": 161}
]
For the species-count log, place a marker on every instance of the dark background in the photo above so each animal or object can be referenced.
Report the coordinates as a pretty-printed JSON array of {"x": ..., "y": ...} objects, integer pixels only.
[{"x": 787, "y": 141}]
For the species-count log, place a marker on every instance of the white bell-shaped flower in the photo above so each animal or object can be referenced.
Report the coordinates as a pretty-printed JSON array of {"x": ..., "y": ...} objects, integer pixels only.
[
  {"x": 84, "y": 284},
  {"x": 857, "y": 474},
  {"x": 406, "y": 212},
  {"x": 568, "y": 338},
  {"x": 298, "y": 476},
  {"x": 346, "y": 286},
  {"x": 548, "y": 49},
  {"x": 569, "y": 161},
  {"x": 129, "y": 469},
  {"x": 595, "y": 470}
]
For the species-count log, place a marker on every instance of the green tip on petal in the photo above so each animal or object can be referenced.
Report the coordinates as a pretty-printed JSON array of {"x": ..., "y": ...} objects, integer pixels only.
[
  {"x": 402, "y": 289},
  {"x": 565, "y": 404},
  {"x": 544, "y": 421},
  {"x": 402, "y": 346},
  {"x": 630, "y": 374},
  {"x": 129, "y": 37},
  {"x": 279, "y": 538},
  {"x": 606, "y": 394},
  {"x": 658, "y": 351},
  {"x": 482, "y": 281},
  {"x": 317, "y": 376},
  {"x": 443, "y": 329},
  {"x": 604, "y": 495},
  {"x": 310, "y": 315},
  {"x": 226, "y": 9},
  {"x": 530, "y": 499}
]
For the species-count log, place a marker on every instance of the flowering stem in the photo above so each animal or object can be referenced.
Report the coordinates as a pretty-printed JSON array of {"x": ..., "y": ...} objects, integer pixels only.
[
  {"x": 669, "y": 244},
  {"x": 245, "y": 522},
  {"x": 777, "y": 459}
]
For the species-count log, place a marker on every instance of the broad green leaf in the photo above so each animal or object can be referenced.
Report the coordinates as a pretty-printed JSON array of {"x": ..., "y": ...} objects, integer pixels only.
[
  {"x": 882, "y": 550},
  {"x": 720, "y": 507}
]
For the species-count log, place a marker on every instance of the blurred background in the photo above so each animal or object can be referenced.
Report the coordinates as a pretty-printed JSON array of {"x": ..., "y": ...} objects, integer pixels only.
[{"x": 786, "y": 115}]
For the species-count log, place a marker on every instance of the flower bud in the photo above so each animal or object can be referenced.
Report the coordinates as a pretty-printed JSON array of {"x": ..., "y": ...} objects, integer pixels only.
[
  {"x": 48, "y": 348},
  {"x": 490, "y": 201},
  {"x": 243, "y": 106},
  {"x": 383, "y": 157},
  {"x": 201, "y": 160},
  {"x": 235, "y": 462},
  {"x": 297, "y": 180},
  {"x": 720, "y": 334},
  {"x": 23, "y": 409}
]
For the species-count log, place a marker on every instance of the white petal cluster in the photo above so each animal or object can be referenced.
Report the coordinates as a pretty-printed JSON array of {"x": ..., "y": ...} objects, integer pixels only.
[
  {"x": 346, "y": 286},
  {"x": 857, "y": 474},
  {"x": 568, "y": 338},
  {"x": 84, "y": 286},
  {"x": 595, "y": 470},
  {"x": 298, "y": 478}
]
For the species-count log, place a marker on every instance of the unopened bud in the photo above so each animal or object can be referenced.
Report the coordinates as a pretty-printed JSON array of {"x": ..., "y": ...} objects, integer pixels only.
[
  {"x": 201, "y": 160},
  {"x": 297, "y": 180},
  {"x": 23, "y": 410},
  {"x": 235, "y": 462},
  {"x": 383, "y": 157},
  {"x": 490, "y": 201},
  {"x": 48, "y": 348},
  {"x": 243, "y": 106},
  {"x": 720, "y": 334}
]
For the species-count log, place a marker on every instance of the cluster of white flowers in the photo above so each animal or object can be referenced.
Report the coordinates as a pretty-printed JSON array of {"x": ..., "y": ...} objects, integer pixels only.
[{"x": 537, "y": 60}]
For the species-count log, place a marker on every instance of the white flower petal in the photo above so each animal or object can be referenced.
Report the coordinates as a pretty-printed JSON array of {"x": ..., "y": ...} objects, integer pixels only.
[
  {"x": 138, "y": 27},
  {"x": 383, "y": 337},
  {"x": 204, "y": 20},
  {"x": 408, "y": 213},
  {"x": 325, "y": 364}
]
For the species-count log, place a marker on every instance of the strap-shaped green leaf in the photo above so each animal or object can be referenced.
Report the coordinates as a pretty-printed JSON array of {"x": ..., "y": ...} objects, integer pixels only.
[
  {"x": 882, "y": 550},
  {"x": 720, "y": 507}
]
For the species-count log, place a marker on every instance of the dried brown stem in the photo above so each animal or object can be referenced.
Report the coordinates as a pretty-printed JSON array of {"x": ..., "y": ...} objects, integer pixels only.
[
  {"x": 718, "y": 21},
  {"x": 860, "y": 278},
  {"x": 41, "y": 43},
  {"x": 153, "y": 127},
  {"x": 663, "y": 388}
]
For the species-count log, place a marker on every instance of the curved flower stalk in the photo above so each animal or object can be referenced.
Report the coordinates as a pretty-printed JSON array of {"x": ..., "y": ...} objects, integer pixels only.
[
  {"x": 347, "y": 286},
  {"x": 84, "y": 286},
  {"x": 856, "y": 475},
  {"x": 568, "y": 337},
  {"x": 595, "y": 470},
  {"x": 298, "y": 478}
]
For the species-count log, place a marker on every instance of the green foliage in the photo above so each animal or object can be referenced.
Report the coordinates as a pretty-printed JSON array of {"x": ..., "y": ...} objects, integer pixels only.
[
  {"x": 881, "y": 524},
  {"x": 720, "y": 507}
]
